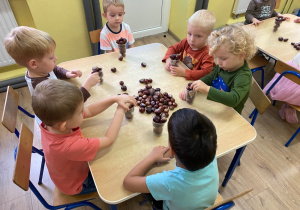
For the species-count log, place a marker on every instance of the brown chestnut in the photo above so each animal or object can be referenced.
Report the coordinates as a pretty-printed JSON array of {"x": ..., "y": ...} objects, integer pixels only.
[
  {"x": 113, "y": 69},
  {"x": 148, "y": 110},
  {"x": 280, "y": 38},
  {"x": 124, "y": 88},
  {"x": 143, "y": 64},
  {"x": 121, "y": 83},
  {"x": 142, "y": 109},
  {"x": 285, "y": 40},
  {"x": 142, "y": 81},
  {"x": 120, "y": 58}
]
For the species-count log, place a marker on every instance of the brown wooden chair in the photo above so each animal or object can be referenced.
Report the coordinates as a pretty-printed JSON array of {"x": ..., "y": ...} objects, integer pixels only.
[
  {"x": 9, "y": 120},
  {"x": 21, "y": 177},
  {"x": 95, "y": 38},
  {"x": 222, "y": 204}
]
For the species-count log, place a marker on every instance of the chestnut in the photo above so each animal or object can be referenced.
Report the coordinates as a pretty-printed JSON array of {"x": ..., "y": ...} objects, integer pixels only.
[
  {"x": 148, "y": 110},
  {"x": 124, "y": 88},
  {"x": 138, "y": 103},
  {"x": 163, "y": 120},
  {"x": 173, "y": 56},
  {"x": 113, "y": 69},
  {"x": 143, "y": 64},
  {"x": 285, "y": 40},
  {"x": 175, "y": 104},
  {"x": 148, "y": 86},
  {"x": 171, "y": 107},
  {"x": 120, "y": 58},
  {"x": 280, "y": 38},
  {"x": 145, "y": 96},
  {"x": 121, "y": 83},
  {"x": 150, "y": 80},
  {"x": 142, "y": 81},
  {"x": 142, "y": 109},
  {"x": 156, "y": 119},
  {"x": 142, "y": 105},
  {"x": 157, "y": 111}
]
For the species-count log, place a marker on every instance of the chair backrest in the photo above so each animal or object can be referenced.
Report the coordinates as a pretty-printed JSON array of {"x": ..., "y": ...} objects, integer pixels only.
[
  {"x": 95, "y": 36},
  {"x": 10, "y": 110},
  {"x": 258, "y": 98},
  {"x": 217, "y": 204},
  {"x": 282, "y": 67},
  {"x": 23, "y": 159},
  {"x": 257, "y": 61}
]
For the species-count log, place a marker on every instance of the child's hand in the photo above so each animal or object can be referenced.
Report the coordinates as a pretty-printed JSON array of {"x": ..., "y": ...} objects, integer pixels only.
[
  {"x": 91, "y": 81},
  {"x": 200, "y": 86},
  {"x": 157, "y": 154},
  {"x": 256, "y": 22},
  {"x": 168, "y": 64},
  {"x": 182, "y": 95},
  {"x": 297, "y": 20},
  {"x": 125, "y": 100},
  {"x": 177, "y": 71},
  {"x": 74, "y": 73}
]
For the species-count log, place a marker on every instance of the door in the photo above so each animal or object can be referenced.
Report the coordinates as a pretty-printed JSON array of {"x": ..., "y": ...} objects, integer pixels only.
[{"x": 147, "y": 17}]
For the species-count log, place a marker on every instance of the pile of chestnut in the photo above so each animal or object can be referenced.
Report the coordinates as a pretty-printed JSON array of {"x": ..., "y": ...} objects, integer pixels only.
[
  {"x": 296, "y": 45},
  {"x": 152, "y": 100},
  {"x": 278, "y": 21}
]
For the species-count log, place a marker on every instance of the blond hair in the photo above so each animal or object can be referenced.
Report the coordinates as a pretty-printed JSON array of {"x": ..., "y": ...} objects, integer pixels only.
[
  {"x": 236, "y": 39},
  {"x": 107, "y": 3},
  {"x": 55, "y": 100},
  {"x": 204, "y": 19},
  {"x": 25, "y": 43}
]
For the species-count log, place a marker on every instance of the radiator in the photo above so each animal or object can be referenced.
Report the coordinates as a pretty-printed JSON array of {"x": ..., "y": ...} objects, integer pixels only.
[
  {"x": 240, "y": 6},
  {"x": 7, "y": 22}
]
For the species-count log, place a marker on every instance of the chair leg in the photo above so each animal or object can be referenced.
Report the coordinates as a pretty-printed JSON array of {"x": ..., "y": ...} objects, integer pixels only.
[
  {"x": 292, "y": 138},
  {"x": 234, "y": 162},
  {"x": 42, "y": 171},
  {"x": 113, "y": 207},
  {"x": 254, "y": 113}
]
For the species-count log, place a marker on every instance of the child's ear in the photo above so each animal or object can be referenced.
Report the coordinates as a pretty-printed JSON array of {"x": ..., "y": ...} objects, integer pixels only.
[
  {"x": 243, "y": 55},
  {"x": 104, "y": 15},
  {"x": 32, "y": 64}
]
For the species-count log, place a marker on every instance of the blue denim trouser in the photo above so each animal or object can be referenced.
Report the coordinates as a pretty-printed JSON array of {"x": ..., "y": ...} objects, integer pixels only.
[{"x": 88, "y": 185}]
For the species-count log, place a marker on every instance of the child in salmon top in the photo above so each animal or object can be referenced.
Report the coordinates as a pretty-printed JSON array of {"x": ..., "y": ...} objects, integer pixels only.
[
  {"x": 193, "y": 50},
  {"x": 115, "y": 28}
]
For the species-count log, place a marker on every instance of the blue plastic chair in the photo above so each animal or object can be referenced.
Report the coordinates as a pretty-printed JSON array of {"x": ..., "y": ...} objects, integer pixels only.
[
  {"x": 271, "y": 87},
  {"x": 9, "y": 120},
  {"x": 21, "y": 176},
  {"x": 95, "y": 38}
]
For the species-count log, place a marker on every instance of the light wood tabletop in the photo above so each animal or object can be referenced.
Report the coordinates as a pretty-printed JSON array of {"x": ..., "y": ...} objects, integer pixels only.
[
  {"x": 136, "y": 138},
  {"x": 267, "y": 41}
]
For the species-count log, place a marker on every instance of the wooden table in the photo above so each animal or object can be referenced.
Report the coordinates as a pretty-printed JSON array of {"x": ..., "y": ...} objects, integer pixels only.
[
  {"x": 267, "y": 41},
  {"x": 136, "y": 138}
]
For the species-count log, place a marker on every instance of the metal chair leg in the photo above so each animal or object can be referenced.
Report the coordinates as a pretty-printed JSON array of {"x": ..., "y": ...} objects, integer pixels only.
[
  {"x": 42, "y": 171},
  {"x": 292, "y": 138}
]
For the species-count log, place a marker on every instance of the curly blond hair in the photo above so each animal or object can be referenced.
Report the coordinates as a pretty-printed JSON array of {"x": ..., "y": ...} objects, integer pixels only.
[
  {"x": 25, "y": 43},
  {"x": 236, "y": 39}
]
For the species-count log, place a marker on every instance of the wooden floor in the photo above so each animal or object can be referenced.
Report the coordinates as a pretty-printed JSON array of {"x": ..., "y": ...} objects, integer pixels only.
[{"x": 267, "y": 166}]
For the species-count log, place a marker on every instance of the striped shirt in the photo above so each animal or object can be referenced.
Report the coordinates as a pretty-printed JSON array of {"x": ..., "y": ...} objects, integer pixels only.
[{"x": 108, "y": 37}]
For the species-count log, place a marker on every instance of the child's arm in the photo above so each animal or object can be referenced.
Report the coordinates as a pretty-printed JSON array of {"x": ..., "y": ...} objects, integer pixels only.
[
  {"x": 113, "y": 130},
  {"x": 135, "y": 180},
  {"x": 131, "y": 46},
  {"x": 73, "y": 73},
  {"x": 100, "y": 106},
  {"x": 91, "y": 81}
]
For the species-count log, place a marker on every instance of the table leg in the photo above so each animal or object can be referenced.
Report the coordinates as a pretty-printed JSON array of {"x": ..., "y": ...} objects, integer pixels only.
[
  {"x": 234, "y": 163},
  {"x": 113, "y": 207}
]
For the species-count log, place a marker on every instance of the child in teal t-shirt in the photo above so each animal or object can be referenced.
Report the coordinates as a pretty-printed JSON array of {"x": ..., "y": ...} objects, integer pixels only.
[{"x": 193, "y": 184}]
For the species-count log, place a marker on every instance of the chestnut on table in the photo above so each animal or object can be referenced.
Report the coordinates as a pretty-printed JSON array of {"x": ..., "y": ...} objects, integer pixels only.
[{"x": 136, "y": 138}]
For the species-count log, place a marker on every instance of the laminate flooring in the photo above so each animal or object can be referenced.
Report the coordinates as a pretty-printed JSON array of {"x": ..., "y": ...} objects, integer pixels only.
[{"x": 267, "y": 166}]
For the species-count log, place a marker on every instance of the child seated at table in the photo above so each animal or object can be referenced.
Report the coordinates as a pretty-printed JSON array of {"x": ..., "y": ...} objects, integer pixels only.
[
  {"x": 230, "y": 81},
  {"x": 259, "y": 10},
  {"x": 287, "y": 91},
  {"x": 34, "y": 49},
  {"x": 59, "y": 105},
  {"x": 193, "y": 50},
  {"x": 115, "y": 28},
  {"x": 193, "y": 184}
]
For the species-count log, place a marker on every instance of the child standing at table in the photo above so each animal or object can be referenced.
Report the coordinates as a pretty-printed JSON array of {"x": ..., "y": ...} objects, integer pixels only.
[
  {"x": 115, "y": 28},
  {"x": 34, "y": 49},
  {"x": 287, "y": 91},
  {"x": 230, "y": 81},
  {"x": 59, "y": 105},
  {"x": 193, "y": 50},
  {"x": 193, "y": 184},
  {"x": 259, "y": 10}
]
